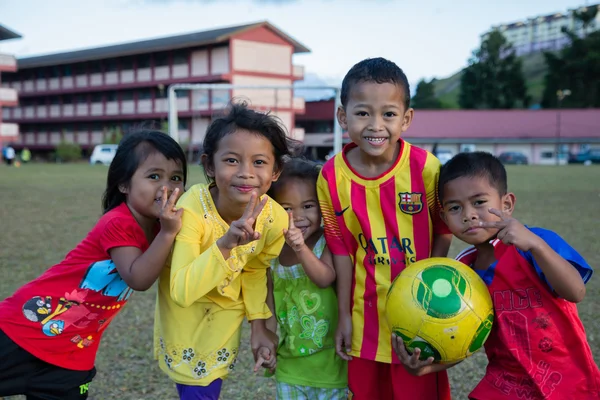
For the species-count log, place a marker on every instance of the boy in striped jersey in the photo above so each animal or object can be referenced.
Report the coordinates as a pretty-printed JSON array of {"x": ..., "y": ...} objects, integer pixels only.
[{"x": 379, "y": 203}]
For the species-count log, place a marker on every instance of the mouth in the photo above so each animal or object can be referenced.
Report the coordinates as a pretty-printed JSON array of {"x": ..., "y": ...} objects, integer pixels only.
[
  {"x": 472, "y": 229},
  {"x": 376, "y": 141},
  {"x": 244, "y": 188}
]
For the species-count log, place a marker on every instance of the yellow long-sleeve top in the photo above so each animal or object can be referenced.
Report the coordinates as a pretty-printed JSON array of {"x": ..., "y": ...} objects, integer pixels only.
[{"x": 203, "y": 298}]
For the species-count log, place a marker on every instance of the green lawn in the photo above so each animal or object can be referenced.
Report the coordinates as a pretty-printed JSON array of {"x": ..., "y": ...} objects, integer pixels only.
[{"x": 47, "y": 209}]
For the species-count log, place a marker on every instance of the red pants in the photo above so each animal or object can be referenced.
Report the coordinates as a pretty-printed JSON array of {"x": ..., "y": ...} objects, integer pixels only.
[{"x": 370, "y": 380}]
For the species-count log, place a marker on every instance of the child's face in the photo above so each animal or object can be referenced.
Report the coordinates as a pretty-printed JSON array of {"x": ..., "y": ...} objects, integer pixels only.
[
  {"x": 299, "y": 196},
  {"x": 375, "y": 117},
  {"x": 466, "y": 203},
  {"x": 144, "y": 193},
  {"x": 243, "y": 163}
]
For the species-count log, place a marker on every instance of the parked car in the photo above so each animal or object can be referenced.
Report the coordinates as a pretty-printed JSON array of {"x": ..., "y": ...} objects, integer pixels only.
[
  {"x": 591, "y": 156},
  {"x": 103, "y": 154},
  {"x": 513, "y": 157},
  {"x": 444, "y": 156}
]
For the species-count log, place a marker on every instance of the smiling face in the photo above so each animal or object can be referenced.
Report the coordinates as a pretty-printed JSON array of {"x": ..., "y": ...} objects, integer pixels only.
[
  {"x": 244, "y": 162},
  {"x": 299, "y": 196},
  {"x": 466, "y": 203},
  {"x": 375, "y": 117},
  {"x": 144, "y": 191}
]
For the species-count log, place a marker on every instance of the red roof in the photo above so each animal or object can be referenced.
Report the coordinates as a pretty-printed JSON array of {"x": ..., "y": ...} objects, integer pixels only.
[
  {"x": 482, "y": 124},
  {"x": 523, "y": 124}
]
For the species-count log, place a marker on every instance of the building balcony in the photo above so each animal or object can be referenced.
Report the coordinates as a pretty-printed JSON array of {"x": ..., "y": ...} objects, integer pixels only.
[
  {"x": 298, "y": 72},
  {"x": 8, "y": 97},
  {"x": 9, "y": 130},
  {"x": 8, "y": 63}
]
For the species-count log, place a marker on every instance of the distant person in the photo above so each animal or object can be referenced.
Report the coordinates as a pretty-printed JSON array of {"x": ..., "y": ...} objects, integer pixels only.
[
  {"x": 307, "y": 364},
  {"x": 50, "y": 328},
  {"x": 218, "y": 273},
  {"x": 537, "y": 348},
  {"x": 380, "y": 212},
  {"x": 9, "y": 155},
  {"x": 25, "y": 155}
]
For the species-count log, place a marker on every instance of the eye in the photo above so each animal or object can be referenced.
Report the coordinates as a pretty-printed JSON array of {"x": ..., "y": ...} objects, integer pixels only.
[
  {"x": 154, "y": 176},
  {"x": 177, "y": 178},
  {"x": 307, "y": 206},
  {"x": 260, "y": 162},
  {"x": 479, "y": 202},
  {"x": 230, "y": 160},
  {"x": 453, "y": 208},
  {"x": 287, "y": 209},
  {"x": 362, "y": 113},
  {"x": 390, "y": 114}
]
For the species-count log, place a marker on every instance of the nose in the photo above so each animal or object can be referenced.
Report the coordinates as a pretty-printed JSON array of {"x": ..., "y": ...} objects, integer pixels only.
[
  {"x": 470, "y": 214},
  {"x": 245, "y": 170},
  {"x": 376, "y": 123}
]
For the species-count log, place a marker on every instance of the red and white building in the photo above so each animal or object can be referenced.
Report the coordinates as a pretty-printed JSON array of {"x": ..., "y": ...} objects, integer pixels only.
[
  {"x": 80, "y": 96},
  {"x": 535, "y": 133},
  {"x": 9, "y": 132}
]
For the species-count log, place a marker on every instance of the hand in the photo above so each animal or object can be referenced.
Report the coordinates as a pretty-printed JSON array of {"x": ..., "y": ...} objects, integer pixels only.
[
  {"x": 343, "y": 337},
  {"x": 170, "y": 217},
  {"x": 293, "y": 236},
  {"x": 411, "y": 362},
  {"x": 511, "y": 231},
  {"x": 266, "y": 360},
  {"x": 264, "y": 346},
  {"x": 242, "y": 230}
]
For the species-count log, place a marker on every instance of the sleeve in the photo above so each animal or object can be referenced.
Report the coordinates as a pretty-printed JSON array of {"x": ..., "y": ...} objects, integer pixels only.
[
  {"x": 121, "y": 232},
  {"x": 333, "y": 234},
  {"x": 195, "y": 273},
  {"x": 564, "y": 250},
  {"x": 254, "y": 276},
  {"x": 432, "y": 175}
]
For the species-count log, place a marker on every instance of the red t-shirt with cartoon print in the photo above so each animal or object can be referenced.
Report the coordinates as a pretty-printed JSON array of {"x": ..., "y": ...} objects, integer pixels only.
[{"x": 61, "y": 316}]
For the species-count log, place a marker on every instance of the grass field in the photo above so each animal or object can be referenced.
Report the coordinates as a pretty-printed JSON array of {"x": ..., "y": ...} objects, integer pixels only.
[{"x": 47, "y": 209}]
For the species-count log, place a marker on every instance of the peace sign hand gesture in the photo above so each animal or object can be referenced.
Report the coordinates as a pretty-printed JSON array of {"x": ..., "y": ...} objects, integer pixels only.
[
  {"x": 511, "y": 231},
  {"x": 293, "y": 236},
  {"x": 170, "y": 217},
  {"x": 242, "y": 230}
]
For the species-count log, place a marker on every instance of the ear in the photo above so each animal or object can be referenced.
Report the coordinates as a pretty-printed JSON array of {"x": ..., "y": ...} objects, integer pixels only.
[
  {"x": 123, "y": 189},
  {"x": 276, "y": 174},
  {"x": 443, "y": 216},
  {"x": 208, "y": 165},
  {"x": 508, "y": 203},
  {"x": 342, "y": 118},
  {"x": 407, "y": 120}
]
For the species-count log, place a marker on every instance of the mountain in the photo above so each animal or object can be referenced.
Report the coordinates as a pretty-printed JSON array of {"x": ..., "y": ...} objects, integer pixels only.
[
  {"x": 312, "y": 80},
  {"x": 534, "y": 70}
]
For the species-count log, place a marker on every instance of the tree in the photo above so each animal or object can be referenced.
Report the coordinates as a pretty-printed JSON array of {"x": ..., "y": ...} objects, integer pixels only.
[
  {"x": 424, "y": 97},
  {"x": 494, "y": 78},
  {"x": 576, "y": 68}
]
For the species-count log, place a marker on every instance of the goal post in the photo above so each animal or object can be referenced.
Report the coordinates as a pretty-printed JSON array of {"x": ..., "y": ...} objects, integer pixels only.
[{"x": 173, "y": 111}]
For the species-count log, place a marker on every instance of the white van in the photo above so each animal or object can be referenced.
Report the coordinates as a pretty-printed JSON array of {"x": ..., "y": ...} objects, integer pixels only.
[{"x": 103, "y": 154}]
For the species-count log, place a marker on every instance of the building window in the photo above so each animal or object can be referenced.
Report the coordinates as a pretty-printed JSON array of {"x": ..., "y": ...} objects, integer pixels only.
[
  {"x": 40, "y": 73},
  {"x": 112, "y": 65},
  {"x": 81, "y": 99},
  {"x": 547, "y": 154},
  {"x": 145, "y": 94},
  {"x": 67, "y": 71},
  {"x": 161, "y": 59},
  {"x": 143, "y": 61},
  {"x": 126, "y": 63},
  {"x": 184, "y": 124},
  {"x": 97, "y": 97},
  {"x": 127, "y": 95},
  {"x": 67, "y": 99},
  {"x": 80, "y": 69},
  {"x": 180, "y": 57},
  {"x": 111, "y": 96},
  {"x": 182, "y": 94},
  {"x": 54, "y": 100},
  {"x": 96, "y": 67}
]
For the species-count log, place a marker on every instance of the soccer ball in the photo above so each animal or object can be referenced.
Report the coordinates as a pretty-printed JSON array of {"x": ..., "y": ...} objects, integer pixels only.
[{"x": 442, "y": 307}]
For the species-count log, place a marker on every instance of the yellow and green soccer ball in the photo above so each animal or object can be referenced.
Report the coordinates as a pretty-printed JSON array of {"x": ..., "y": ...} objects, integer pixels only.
[{"x": 442, "y": 307}]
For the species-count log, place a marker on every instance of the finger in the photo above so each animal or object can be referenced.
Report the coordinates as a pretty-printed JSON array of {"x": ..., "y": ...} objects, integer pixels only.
[
  {"x": 173, "y": 199},
  {"x": 291, "y": 225},
  {"x": 259, "y": 207},
  {"x": 163, "y": 197},
  {"x": 250, "y": 206},
  {"x": 497, "y": 213},
  {"x": 259, "y": 363},
  {"x": 493, "y": 224}
]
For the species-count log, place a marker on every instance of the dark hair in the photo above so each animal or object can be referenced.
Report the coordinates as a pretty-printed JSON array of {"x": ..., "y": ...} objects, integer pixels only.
[
  {"x": 477, "y": 164},
  {"x": 239, "y": 116},
  {"x": 296, "y": 168},
  {"x": 133, "y": 149},
  {"x": 377, "y": 70}
]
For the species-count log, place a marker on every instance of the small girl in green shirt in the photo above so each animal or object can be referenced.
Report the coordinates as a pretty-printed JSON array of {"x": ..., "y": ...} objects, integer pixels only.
[{"x": 301, "y": 296}]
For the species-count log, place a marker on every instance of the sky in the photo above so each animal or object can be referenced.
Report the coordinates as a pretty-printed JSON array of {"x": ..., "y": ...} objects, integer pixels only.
[{"x": 426, "y": 38}]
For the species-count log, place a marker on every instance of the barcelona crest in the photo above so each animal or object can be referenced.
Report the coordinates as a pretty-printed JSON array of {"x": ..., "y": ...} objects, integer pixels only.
[{"x": 410, "y": 203}]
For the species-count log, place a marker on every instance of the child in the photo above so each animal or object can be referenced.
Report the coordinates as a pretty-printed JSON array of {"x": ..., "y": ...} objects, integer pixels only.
[
  {"x": 50, "y": 329},
  {"x": 231, "y": 231},
  {"x": 537, "y": 348},
  {"x": 301, "y": 297},
  {"x": 379, "y": 204}
]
